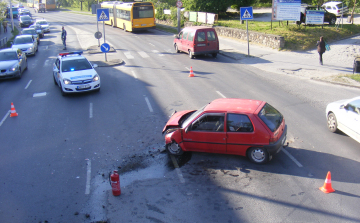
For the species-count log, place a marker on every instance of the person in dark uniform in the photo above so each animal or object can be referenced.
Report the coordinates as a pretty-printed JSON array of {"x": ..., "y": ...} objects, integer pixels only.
[
  {"x": 321, "y": 48},
  {"x": 63, "y": 37}
]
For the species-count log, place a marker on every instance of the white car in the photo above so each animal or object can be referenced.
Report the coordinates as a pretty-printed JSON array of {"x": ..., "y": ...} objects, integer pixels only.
[
  {"x": 338, "y": 8},
  {"x": 44, "y": 25},
  {"x": 344, "y": 115},
  {"x": 73, "y": 73}
]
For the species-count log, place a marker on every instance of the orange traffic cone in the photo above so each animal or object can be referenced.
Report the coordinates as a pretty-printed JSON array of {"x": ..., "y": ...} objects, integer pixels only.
[
  {"x": 327, "y": 185},
  {"x": 13, "y": 111},
  {"x": 191, "y": 73}
]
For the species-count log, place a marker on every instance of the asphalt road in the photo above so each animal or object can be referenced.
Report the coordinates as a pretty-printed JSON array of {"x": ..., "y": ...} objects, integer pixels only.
[{"x": 56, "y": 155}]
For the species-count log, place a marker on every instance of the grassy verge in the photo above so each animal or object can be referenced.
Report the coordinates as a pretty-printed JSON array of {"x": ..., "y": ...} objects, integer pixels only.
[
  {"x": 165, "y": 28},
  {"x": 14, "y": 33},
  {"x": 296, "y": 37},
  {"x": 355, "y": 77}
]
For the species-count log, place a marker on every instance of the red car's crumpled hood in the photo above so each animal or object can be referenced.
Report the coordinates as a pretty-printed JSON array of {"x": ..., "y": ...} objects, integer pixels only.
[{"x": 174, "y": 120}]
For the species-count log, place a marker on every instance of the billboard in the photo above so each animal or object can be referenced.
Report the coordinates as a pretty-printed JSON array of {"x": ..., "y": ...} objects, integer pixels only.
[{"x": 286, "y": 10}]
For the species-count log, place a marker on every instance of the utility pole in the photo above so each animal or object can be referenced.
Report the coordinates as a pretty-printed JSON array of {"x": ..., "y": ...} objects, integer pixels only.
[{"x": 11, "y": 16}]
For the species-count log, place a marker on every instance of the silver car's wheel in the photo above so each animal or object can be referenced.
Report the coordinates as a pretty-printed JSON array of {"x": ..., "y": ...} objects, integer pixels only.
[
  {"x": 174, "y": 148},
  {"x": 332, "y": 123},
  {"x": 258, "y": 155}
]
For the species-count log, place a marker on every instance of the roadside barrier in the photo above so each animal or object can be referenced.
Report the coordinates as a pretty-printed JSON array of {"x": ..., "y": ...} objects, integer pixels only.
[{"x": 3, "y": 42}]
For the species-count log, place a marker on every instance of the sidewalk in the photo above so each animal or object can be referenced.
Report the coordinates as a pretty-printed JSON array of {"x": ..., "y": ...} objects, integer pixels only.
[
  {"x": 4, "y": 37},
  {"x": 338, "y": 61}
]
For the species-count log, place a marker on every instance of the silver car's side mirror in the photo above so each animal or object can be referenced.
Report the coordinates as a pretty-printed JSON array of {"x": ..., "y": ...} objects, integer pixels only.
[
  {"x": 95, "y": 65},
  {"x": 342, "y": 106}
]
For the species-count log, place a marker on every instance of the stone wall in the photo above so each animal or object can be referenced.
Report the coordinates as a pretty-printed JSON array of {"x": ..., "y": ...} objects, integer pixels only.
[{"x": 269, "y": 40}]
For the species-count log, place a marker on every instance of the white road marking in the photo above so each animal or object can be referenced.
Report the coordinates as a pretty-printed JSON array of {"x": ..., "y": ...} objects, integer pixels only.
[
  {"x": 292, "y": 158},
  {"x": 28, "y": 84},
  {"x": 169, "y": 50},
  {"x": 178, "y": 171},
  {"x": 187, "y": 68},
  {"x": 88, "y": 176},
  {"x": 5, "y": 117},
  {"x": 39, "y": 94},
  {"x": 148, "y": 103},
  {"x": 91, "y": 110},
  {"x": 151, "y": 44},
  {"x": 128, "y": 55},
  {"x": 134, "y": 74},
  {"x": 46, "y": 63},
  {"x": 158, "y": 53},
  {"x": 143, "y": 54},
  {"x": 220, "y": 94}
]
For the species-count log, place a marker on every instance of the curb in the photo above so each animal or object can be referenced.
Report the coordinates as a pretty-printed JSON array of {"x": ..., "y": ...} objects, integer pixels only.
[{"x": 332, "y": 82}]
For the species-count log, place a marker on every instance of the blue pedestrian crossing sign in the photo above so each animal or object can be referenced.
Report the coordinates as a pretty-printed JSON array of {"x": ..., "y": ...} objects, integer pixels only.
[
  {"x": 105, "y": 47},
  {"x": 102, "y": 14},
  {"x": 246, "y": 13}
]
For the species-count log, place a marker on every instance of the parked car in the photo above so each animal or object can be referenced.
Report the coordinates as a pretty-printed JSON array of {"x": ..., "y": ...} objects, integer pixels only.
[
  {"x": 44, "y": 25},
  {"x": 27, "y": 44},
  {"x": 31, "y": 31},
  {"x": 328, "y": 16},
  {"x": 13, "y": 63},
  {"x": 344, "y": 115},
  {"x": 21, "y": 13},
  {"x": 337, "y": 8},
  {"x": 244, "y": 127},
  {"x": 38, "y": 29},
  {"x": 14, "y": 12},
  {"x": 73, "y": 73},
  {"x": 197, "y": 40},
  {"x": 25, "y": 21}
]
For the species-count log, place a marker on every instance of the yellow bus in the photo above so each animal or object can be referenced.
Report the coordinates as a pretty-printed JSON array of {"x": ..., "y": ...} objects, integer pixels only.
[
  {"x": 44, "y": 5},
  {"x": 131, "y": 16},
  {"x": 30, "y": 3}
]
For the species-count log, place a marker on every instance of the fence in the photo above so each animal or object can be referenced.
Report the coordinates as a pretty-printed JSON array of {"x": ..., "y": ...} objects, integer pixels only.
[{"x": 3, "y": 42}]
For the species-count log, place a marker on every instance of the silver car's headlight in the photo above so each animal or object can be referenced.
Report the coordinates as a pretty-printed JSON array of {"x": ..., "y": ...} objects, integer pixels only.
[
  {"x": 96, "y": 77},
  {"x": 14, "y": 68},
  {"x": 30, "y": 48},
  {"x": 66, "y": 81}
]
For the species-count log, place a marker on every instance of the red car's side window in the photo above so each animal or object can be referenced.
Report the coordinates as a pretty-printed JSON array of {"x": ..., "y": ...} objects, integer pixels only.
[
  {"x": 209, "y": 123},
  {"x": 239, "y": 123}
]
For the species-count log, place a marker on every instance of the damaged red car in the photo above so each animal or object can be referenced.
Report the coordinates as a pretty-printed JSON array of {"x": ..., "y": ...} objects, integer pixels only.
[{"x": 243, "y": 127}]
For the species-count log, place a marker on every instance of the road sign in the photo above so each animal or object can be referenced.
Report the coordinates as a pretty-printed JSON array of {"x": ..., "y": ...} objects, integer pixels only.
[
  {"x": 179, "y": 4},
  {"x": 98, "y": 35},
  {"x": 102, "y": 14},
  {"x": 105, "y": 47},
  {"x": 246, "y": 13}
]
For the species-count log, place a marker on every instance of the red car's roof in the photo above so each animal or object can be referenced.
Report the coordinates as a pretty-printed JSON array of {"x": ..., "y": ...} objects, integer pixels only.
[
  {"x": 234, "y": 104},
  {"x": 198, "y": 27}
]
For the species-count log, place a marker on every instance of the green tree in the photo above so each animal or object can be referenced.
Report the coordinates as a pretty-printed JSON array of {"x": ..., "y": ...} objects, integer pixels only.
[{"x": 215, "y": 6}]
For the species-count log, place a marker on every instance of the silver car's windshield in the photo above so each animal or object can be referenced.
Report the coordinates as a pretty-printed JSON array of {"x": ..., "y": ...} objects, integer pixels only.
[
  {"x": 23, "y": 40},
  {"x": 33, "y": 32},
  {"x": 4, "y": 56}
]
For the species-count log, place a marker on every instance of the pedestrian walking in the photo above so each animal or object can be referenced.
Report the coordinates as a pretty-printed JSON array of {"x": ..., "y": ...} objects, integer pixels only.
[
  {"x": 5, "y": 25},
  {"x": 321, "y": 48},
  {"x": 63, "y": 37}
]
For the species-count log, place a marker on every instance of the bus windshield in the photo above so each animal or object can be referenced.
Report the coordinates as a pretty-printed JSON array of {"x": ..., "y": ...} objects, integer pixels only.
[{"x": 143, "y": 12}]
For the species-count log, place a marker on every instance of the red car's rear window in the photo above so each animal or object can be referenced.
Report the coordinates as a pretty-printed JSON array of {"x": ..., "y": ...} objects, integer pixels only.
[{"x": 271, "y": 117}]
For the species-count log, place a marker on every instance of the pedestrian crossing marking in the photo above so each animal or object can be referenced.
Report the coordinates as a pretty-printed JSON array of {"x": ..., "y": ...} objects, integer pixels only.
[
  {"x": 246, "y": 14},
  {"x": 143, "y": 54},
  {"x": 128, "y": 55},
  {"x": 103, "y": 16}
]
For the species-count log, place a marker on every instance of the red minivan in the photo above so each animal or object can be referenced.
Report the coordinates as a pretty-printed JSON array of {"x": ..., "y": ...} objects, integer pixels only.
[
  {"x": 196, "y": 40},
  {"x": 243, "y": 127}
]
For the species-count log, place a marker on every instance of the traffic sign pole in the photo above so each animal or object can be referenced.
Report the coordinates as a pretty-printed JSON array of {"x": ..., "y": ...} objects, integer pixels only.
[
  {"x": 247, "y": 33},
  {"x": 97, "y": 25},
  {"x": 104, "y": 39}
]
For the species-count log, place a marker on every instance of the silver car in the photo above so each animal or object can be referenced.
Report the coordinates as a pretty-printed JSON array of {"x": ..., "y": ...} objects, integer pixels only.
[
  {"x": 44, "y": 25},
  {"x": 13, "y": 63},
  {"x": 26, "y": 43},
  {"x": 31, "y": 31}
]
